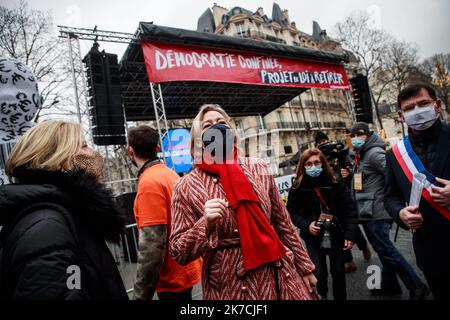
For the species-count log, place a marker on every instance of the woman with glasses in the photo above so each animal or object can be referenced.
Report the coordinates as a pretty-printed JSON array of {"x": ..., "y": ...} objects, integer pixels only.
[{"x": 326, "y": 215}]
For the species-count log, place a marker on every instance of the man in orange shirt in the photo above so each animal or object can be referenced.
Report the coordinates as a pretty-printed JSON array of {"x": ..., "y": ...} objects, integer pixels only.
[{"x": 156, "y": 270}]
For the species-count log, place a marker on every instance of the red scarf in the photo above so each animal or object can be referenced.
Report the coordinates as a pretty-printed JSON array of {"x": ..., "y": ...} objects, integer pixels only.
[{"x": 259, "y": 242}]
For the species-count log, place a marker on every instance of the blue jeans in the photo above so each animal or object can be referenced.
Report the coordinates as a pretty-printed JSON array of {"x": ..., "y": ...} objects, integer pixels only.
[{"x": 393, "y": 262}]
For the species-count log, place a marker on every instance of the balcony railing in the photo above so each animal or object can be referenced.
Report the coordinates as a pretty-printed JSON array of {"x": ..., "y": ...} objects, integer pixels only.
[
  {"x": 339, "y": 124},
  {"x": 286, "y": 125},
  {"x": 289, "y": 125},
  {"x": 314, "y": 124},
  {"x": 265, "y": 36},
  {"x": 242, "y": 34},
  {"x": 257, "y": 34}
]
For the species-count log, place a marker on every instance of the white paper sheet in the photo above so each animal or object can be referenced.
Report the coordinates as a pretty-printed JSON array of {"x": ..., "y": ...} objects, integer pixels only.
[{"x": 416, "y": 189}]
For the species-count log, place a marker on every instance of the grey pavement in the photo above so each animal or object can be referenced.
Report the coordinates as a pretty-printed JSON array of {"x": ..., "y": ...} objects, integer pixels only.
[{"x": 356, "y": 281}]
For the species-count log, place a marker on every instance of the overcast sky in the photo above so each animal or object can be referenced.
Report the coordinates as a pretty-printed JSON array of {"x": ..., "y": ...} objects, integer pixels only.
[{"x": 424, "y": 22}]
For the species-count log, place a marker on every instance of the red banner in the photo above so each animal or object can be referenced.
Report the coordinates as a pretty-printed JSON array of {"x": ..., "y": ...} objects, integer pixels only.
[{"x": 167, "y": 62}]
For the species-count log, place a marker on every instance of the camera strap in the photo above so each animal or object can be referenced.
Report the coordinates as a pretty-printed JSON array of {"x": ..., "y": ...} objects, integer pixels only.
[{"x": 322, "y": 200}]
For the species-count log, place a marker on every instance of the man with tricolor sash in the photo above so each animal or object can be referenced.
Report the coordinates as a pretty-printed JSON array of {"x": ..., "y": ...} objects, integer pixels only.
[
  {"x": 425, "y": 150},
  {"x": 369, "y": 177}
]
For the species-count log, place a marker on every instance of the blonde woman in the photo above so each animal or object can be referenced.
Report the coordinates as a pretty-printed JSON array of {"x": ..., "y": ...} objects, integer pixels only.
[
  {"x": 55, "y": 219},
  {"x": 228, "y": 211}
]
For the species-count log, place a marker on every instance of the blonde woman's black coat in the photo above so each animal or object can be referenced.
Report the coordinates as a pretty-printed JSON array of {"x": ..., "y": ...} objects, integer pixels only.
[{"x": 53, "y": 223}]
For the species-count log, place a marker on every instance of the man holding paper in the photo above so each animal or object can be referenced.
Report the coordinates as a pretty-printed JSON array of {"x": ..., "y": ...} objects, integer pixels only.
[
  {"x": 368, "y": 191},
  {"x": 426, "y": 150}
]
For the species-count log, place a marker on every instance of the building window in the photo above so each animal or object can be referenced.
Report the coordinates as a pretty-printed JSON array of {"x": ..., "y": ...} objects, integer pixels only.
[
  {"x": 240, "y": 30},
  {"x": 287, "y": 149},
  {"x": 280, "y": 116},
  {"x": 262, "y": 122},
  {"x": 239, "y": 124}
]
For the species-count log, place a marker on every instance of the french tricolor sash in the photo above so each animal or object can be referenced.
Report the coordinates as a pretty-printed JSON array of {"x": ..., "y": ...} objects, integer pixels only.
[{"x": 411, "y": 164}]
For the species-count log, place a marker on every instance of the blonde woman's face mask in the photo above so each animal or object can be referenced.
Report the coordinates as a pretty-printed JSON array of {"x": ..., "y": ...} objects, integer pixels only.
[{"x": 90, "y": 161}]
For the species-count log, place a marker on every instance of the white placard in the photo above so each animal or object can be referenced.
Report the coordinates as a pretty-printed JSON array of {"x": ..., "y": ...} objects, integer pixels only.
[{"x": 416, "y": 189}]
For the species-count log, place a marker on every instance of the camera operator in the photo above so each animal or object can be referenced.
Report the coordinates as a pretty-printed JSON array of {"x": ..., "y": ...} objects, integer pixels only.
[
  {"x": 339, "y": 159},
  {"x": 337, "y": 155},
  {"x": 321, "y": 207}
]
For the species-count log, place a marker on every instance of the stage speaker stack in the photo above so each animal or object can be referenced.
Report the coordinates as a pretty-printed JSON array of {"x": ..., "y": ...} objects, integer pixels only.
[
  {"x": 362, "y": 99},
  {"x": 105, "y": 103}
]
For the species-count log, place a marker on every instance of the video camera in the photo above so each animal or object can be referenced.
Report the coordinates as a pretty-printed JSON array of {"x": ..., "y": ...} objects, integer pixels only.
[{"x": 335, "y": 151}]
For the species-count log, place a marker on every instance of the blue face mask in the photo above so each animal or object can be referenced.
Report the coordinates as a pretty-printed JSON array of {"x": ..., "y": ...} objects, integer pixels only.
[
  {"x": 314, "y": 171},
  {"x": 358, "y": 142}
]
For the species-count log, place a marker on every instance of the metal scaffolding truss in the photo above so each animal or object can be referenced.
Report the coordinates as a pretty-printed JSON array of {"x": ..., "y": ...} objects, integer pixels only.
[
  {"x": 79, "y": 84},
  {"x": 97, "y": 35},
  {"x": 161, "y": 120},
  {"x": 73, "y": 36},
  {"x": 183, "y": 98}
]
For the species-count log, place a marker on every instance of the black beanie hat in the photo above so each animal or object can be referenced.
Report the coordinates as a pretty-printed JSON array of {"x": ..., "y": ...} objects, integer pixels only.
[
  {"x": 320, "y": 135},
  {"x": 360, "y": 128}
]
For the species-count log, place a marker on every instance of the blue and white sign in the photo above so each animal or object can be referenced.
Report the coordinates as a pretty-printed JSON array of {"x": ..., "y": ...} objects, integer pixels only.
[{"x": 179, "y": 141}]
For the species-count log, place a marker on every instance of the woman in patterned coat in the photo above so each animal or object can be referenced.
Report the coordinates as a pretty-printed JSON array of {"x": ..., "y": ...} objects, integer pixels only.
[{"x": 231, "y": 214}]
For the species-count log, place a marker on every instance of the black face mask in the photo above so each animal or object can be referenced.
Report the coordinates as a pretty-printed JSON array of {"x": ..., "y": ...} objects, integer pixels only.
[{"x": 224, "y": 145}]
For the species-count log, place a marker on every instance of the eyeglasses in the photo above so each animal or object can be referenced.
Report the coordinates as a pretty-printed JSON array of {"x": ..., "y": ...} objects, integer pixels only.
[
  {"x": 420, "y": 104},
  {"x": 316, "y": 163}
]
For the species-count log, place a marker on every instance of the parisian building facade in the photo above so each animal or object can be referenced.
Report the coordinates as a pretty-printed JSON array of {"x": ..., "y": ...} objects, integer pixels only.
[{"x": 295, "y": 123}]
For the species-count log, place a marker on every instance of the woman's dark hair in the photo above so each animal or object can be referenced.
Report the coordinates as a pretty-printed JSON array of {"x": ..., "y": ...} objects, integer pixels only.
[
  {"x": 413, "y": 90},
  {"x": 143, "y": 140},
  {"x": 300, "y": 171}
]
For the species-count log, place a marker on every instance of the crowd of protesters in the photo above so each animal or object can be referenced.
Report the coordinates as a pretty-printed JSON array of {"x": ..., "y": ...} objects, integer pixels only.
[{"x": 224, "y": 222}]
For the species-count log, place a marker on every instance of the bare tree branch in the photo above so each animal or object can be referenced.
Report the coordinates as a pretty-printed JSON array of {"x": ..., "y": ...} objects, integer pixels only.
[
  {"x": 437, "y": 68},
  {"x": 27, "y": 35}
]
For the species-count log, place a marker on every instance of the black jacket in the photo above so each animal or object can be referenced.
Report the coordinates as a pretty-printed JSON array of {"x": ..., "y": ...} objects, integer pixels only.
[
  {"x": 304, "y": 207},
  {"x": 52, "y": 221},
  {"x": 432, "y": 239}
]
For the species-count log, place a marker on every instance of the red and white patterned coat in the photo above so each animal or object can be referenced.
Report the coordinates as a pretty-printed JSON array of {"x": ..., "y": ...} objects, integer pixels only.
[{"x": 223, "y": 276}]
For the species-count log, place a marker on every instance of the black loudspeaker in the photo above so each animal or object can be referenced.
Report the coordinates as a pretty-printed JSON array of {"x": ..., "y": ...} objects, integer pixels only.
[
  {"x": 105, "y": 101},
  {"x": 362, "y": 99}
]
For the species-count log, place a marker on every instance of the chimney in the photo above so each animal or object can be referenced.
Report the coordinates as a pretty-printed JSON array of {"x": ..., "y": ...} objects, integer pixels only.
[
  {"x": 286, "y": 15},
  {"x": 260, "y": 11}
]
